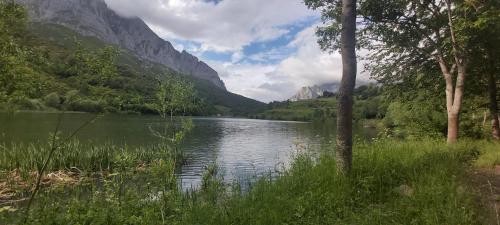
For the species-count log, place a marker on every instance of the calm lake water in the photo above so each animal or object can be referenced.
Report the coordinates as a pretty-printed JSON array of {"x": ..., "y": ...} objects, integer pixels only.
[{"x": 242, "y": 148}]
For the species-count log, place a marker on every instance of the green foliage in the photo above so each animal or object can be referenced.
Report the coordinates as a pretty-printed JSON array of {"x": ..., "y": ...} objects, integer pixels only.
[
  {"x": 382, "y": 189},
  {"x": 368, "y": 105},
  {"x": 96, "y": 68},
  {"x": 48, "y": 58},
  {"x": 85, "y": 105},
  {"x": 52, "y": 100},
  {"x": 409, "y": 39},
  {"x": 489, "y": 156},
  {"x": 21, "y": 103},
  {"x": 84, "y": 157},
  {"x": 214, "y": 98},
  {"x": 175, "y": 96},
  {"x": 305, "y": 110},
  {"x": 392, "y": 182},
  {"x": 416, "y": 119},
  {"x": 17, "y": 79}
]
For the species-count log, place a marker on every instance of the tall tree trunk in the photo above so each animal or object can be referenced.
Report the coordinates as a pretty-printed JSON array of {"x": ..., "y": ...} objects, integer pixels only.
[
  {"x": 453, "y": 121},
  {"x": 345, "y": 99},
  {"x": 454, "y": 93},
  {"x": 454, "y": 96},
  {"x": 492, "y": 89}
]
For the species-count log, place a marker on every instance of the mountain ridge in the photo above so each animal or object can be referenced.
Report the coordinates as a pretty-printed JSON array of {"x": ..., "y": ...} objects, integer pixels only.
[
  {"x": 312, "y": 92},
  {"x": 95, "y": 18}
]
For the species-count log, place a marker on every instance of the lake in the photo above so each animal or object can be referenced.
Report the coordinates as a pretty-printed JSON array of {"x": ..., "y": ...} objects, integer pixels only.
[{"x": 242, "y": 148}]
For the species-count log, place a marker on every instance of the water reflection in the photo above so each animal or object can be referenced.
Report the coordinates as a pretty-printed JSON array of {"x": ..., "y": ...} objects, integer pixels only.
[{"x": 242, "y": 148}]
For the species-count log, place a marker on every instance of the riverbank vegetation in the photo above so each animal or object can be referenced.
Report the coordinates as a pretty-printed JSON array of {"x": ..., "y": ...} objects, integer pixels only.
[{"x": 392, "y": 182}]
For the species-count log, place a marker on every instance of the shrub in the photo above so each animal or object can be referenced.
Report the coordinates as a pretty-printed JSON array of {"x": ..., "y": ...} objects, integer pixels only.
[
  {"x": 71, "y": 96},
  {"x": 52, "y": 100},
  {"x": 28, "y": 104},
  {"x": 86, "y": 105}
]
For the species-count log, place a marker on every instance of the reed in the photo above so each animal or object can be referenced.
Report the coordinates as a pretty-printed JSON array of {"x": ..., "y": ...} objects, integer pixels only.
[{"x": 83, "y": 157}]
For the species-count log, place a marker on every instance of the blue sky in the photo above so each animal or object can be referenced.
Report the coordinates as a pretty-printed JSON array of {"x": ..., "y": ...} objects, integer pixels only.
[
  {"x": 269, "y": 51},
  {"x": 262, "y": 49}
]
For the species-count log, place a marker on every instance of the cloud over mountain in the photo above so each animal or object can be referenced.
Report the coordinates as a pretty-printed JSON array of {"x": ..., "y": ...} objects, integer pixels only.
[{"x": 263, "y": 49}]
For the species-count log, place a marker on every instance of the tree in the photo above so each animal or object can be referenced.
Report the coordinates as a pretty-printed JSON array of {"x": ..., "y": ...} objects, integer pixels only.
[
  {"x": 174, "y": 95},
  {"x": 413, "y": 37},
  {"x": 16, "y": 77},
  {"x": 97, "y": 68},
  {"x": 347, "y": 29},
  {"x": 485, "y": 55}
]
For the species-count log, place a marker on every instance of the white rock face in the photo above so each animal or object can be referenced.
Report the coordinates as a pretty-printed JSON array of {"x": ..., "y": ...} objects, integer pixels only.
[
  {"x": 307, "y": 93},
  {"x": 94, "y": 18},
  {"x": 313, "y": 92}
]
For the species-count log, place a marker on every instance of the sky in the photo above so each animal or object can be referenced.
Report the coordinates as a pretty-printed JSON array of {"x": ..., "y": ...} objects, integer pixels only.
[{"x": 262, "y": 49}]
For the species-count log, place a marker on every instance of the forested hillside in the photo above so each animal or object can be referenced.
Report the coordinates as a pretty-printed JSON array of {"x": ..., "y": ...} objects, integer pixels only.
[{"x": 369, "y": 105}]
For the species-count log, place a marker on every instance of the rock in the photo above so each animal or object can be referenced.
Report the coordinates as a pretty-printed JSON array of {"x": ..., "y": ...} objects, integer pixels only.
[
  {"x": 315, "y": 91},
  {"x": 307, "y": 93},
  {"x": 94, "y": 18}
]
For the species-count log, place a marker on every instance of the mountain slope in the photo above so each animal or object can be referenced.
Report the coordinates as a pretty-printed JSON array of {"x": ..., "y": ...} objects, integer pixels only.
[
  {"x": 143, "y": 56},
  {"x": 94, "y": 18},
  {"x": 140, "y": 74}
]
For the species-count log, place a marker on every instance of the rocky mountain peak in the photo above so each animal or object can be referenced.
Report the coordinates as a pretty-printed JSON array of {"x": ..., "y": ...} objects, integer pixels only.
[
  {"x": 312, "y": 92},
  {"x": 94, "y": 18}
]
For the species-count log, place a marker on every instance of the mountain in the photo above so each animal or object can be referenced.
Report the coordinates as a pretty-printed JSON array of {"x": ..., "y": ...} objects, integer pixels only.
[
  {"x": 55, "y": 24},
  {"x": 307, "y": 93},
  {"x": 94, "y": 18},
  {"x": 315, "y": 91}
]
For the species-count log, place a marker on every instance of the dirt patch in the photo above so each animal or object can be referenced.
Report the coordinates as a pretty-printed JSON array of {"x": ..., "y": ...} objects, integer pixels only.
[
  {"x": 486, "y": 183},
  {"x": 13, "y": 184}
]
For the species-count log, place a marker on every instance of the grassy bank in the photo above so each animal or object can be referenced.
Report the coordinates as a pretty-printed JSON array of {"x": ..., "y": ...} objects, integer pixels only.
[{"x": 392, "y": 182}]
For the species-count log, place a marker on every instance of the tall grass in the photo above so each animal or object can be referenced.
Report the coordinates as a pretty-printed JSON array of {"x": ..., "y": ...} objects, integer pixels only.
[
  {"x": 392, "y": 182},
  {"x": 490, "y": 155},
  {"x": 83, "y": 157}
]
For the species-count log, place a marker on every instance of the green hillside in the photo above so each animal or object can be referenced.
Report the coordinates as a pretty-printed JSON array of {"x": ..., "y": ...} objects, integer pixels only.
[
  {"x": 132, "y": 90},
  {"x": 368, "y": 105}
]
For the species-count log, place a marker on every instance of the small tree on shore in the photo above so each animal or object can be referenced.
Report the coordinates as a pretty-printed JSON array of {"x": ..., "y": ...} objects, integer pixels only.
[{"x": 174, "y": 95}]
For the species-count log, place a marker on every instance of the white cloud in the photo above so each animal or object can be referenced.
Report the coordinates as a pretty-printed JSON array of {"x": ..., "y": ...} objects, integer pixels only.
[
  {"x": 231, "y": 25},
  {"x": 246, "y": 79},
  {"x": 307, "y": 66},
  {"x": 226, "y": 26}
]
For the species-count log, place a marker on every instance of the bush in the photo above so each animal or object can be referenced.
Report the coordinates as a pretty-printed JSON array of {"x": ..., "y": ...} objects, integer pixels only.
[
  {"x": 28, "y": 104},
  {"x": 52, "y": 100},
  {"x": 86, "y": 105},
  {"x": 71, "y": 96},
  {"x": 417, "y": 119}
]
